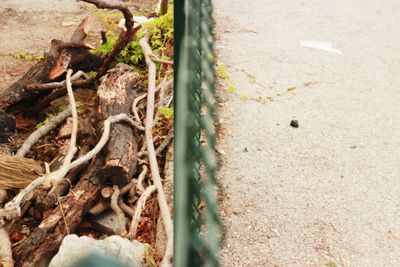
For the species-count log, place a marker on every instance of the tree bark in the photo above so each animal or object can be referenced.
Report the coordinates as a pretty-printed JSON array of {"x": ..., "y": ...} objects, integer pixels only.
[
  {"x": 115, "y": 97},
  {"x": 44, "y": 241},
  {"x": 7, "y": 126},
  {"x": 60, "y": 56},
  {"x": 47, "y": 200}
]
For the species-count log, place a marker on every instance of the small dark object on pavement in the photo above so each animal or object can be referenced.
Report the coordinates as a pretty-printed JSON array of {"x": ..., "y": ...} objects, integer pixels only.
[{"x": 294, "y": 123}]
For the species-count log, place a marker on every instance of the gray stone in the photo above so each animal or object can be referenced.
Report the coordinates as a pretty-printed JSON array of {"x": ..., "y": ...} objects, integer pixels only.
[
  {"x": 74, "y": 248},
  {"x": 106, "y": 222}
]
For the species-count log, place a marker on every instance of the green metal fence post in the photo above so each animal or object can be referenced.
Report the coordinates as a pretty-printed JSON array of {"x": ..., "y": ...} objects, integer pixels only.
[{"x": 196, "y": 222}]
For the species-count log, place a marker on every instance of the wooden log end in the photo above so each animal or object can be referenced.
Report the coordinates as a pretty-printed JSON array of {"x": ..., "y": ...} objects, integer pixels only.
[
  {"x": 117, "y": 175},
  {"x": 106, "y": 192}
]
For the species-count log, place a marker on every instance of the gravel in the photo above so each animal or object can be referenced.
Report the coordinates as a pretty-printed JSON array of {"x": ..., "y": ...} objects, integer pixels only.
[{"x": 328, "y": 191}]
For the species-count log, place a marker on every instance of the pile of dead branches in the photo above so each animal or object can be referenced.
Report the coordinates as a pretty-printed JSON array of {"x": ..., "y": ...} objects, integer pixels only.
[{"x": 106, "y": 148}]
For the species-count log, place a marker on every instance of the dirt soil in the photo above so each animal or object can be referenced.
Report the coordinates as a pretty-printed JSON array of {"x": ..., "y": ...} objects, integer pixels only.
[
  {"x": 29, "y": 26},
  {"x": 326, "y": 193}
]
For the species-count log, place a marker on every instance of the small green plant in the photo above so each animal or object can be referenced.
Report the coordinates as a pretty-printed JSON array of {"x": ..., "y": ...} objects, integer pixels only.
[
  {"x": 244, "y": 97},
  {"x": 166, "y": 112},
  {"x": 150, "y": 261},
  {"x": 24, "y": 55},
  {"x": 44, "y": 122},
  {"x": 232, "y": 88},
  {"x": 28, "y": 56},
  {"x": 39, "y": 58},
  {"x": 107, "y": 47},
  {"x": 331, "y": 264},
  {"x": 161, "y": 31},
  {"x": 80, "y": 107},
  {"x": 222, "y": 72}
]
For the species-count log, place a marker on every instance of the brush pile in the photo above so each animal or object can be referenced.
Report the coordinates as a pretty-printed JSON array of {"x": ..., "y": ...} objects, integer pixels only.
[{"x": 87, "y": 134}]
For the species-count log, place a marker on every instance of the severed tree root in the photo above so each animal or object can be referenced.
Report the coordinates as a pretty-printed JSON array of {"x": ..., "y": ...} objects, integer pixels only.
[
  {"x": 124, "y": 39},
  {"x": 162, "y": 202}
]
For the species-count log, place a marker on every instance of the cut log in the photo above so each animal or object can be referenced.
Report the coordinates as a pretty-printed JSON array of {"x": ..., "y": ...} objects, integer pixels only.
[
  {"x": 16, "y": 92},
  {"x": 123, "y": 40},
  {"x": 18, "y": 172},
  {"x": 115, "y": 97},
  {"x": 44, "y": 241},
  {"x": 61, "y": 54},
  {"x": 47, "y": 200}
]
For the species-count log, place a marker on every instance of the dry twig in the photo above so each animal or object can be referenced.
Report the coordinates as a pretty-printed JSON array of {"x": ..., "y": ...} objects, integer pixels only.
[
  {"x": 13, "y": 208},
  {"x": 53, "y": 85},
  {"x": 126, "y": 188}
]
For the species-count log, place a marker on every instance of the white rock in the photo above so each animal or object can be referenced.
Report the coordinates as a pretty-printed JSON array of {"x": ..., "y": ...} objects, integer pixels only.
[{"x": 74, "y": 248}]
